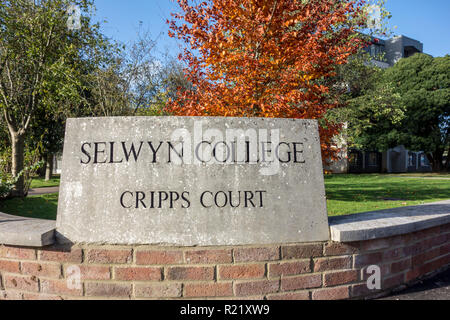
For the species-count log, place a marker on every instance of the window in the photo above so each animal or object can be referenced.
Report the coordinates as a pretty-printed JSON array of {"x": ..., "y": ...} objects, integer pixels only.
[
  {"x": 411, "y": 160},
  {"x": 376, "y": 51},
  {"x": 423, "y": 160},
  {"x": 373, "y": 159}
]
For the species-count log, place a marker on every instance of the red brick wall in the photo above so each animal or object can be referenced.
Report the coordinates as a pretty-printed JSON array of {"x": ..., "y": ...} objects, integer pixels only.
[{"x": 298, "y": 271}]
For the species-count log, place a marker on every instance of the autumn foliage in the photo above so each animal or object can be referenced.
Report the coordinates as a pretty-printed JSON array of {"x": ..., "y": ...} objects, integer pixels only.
[{"x": 265, "y": 58}]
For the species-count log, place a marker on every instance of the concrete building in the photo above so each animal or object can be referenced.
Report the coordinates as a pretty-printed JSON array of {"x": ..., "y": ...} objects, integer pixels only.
[
  {"x": 396, "y": 160},
  {"x": 57, "y": 163},
  {"x": 385, "y": 53},
  {"x": 400, "y": 160}
]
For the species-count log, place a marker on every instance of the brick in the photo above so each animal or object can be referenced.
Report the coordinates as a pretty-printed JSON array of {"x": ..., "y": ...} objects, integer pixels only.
[
  {"x": 256, "y": 254},
  {"x": 361, "y": 290},
  {"x": 441, "y": 262},
  {"x": 332, "y": 263},
  {"x": 155, "y": 257},
  {"x": 163, "y": 290},
  {"x": 400, "y": 266},
  {"x": 399, "y": 240},
  {"x": 376, "y": 244},
  {"x": 248, "y": 298},
  {"x": 301, "y": 282},
  {"x": 422, "y": 258},
  {"x": 340, "y": 277},
  {"x": 338, "y": 248},
  {"x": 416, "y": 248},
  {"x": 254, "y": 288},
  {"x": 41, "y": 297},
  {"x": 418, "y": 272},
  {"x": 208, "y": 256},
  {"x": 23, "y": 283},
  {"x": 193, "y": 290},
  {"x": 393, "y": 254},
  {"x": 7, "y": 252},
  {"x": 302, "y": 295},
  {"x": 106, "y": 256},
  {"x": 412, "y": 275},
  {"x": 89, "y": 272},
  {"x": 102, "y": 289},
  {"x": 190, "y": 273},
  {"x": 9, "y": 266},
  {"x": 419, "y": 235},
  {"x": 40, "y": 269},
  {"x": 336, "y": 293},
  {"x": 302, "y": 251},
  {"x": 74, "y": 255},
  {"x": 445, "y": 249},
  {"x": 246, "y": 271},
  {"x": 61, "y": 287},
  {"x": 138, "y": 274},
  {"x": 407, "y": 239},
  {"x": 394, "y": 281},
  {"x": 437, "y": 241},
  {"x": 10, "y": 295},
  {"x": 289, "y": 268},
  {"x": 362, "y": 260}
]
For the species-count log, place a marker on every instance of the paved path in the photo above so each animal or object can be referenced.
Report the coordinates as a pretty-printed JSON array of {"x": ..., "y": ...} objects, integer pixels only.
[
  {"x": 41, "y": 191},
  {"x": 437, "y": 288}
]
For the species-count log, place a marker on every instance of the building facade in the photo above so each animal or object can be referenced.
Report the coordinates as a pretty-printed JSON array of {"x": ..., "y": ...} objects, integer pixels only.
[{"x": 385, "y": 54}]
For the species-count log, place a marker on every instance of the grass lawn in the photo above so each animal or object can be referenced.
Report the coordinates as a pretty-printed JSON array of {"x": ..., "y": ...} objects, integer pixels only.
[
  {"x": 42, "y": 207},
  {"x": 346, "y": 194},
  {"x": 41, "y": 183}
]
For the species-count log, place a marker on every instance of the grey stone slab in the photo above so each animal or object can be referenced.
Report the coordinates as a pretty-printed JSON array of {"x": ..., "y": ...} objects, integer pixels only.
[
  {"x": 110, "y": 196},
  {"x": 26, "y": 232},
  {"x": 391, "y": 222}
]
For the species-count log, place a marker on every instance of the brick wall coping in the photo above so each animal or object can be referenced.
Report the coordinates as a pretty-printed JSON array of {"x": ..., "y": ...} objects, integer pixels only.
[
  {"x": 388, "y": 223},
  {"x": 27, "y": 232},
  {"x": 20, "y": 231}
]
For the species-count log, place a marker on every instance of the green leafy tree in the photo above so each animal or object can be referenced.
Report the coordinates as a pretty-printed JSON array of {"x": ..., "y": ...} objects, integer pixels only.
[
  {"x": 39, "y": 55},
  {"x": 374, "y": 116},
  {"x": 423, "y": 83},
  {"x": 407, "y": 104},
  {"x": 47, "y": 136},
  {"x": 366, "y": 103}
]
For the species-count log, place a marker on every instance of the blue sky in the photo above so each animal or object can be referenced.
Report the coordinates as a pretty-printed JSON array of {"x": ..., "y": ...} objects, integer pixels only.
[{"x": 425, "y": 20}]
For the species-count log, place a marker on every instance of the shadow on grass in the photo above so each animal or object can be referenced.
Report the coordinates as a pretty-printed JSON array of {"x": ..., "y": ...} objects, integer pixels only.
[{"x": 40, "y": 207}]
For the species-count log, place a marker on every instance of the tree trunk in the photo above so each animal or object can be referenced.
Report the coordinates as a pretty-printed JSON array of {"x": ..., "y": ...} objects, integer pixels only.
[
  {"x": 41, "y": 170},
  {"x": 49, "y": 167},
  {"x": 18, "y": 146},
  {"x": 438, "y": 158}
]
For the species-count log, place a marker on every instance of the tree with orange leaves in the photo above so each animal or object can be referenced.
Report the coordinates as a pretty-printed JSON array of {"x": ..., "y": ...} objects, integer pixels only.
[{"x": 265, "y": 58}]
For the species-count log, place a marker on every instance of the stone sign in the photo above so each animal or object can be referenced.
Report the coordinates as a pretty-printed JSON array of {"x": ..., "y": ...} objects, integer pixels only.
[{"x": 192, "y": 181}]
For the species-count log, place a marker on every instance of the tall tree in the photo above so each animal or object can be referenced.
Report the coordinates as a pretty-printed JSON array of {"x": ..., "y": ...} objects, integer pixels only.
[
  {"x": 131, "y": 81},
  {"x": 423, "y": 82},
  {"x": 37, "y": 63},
  {"x": 266, "y": 58},
  {"x": 407, "y": 104}
]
